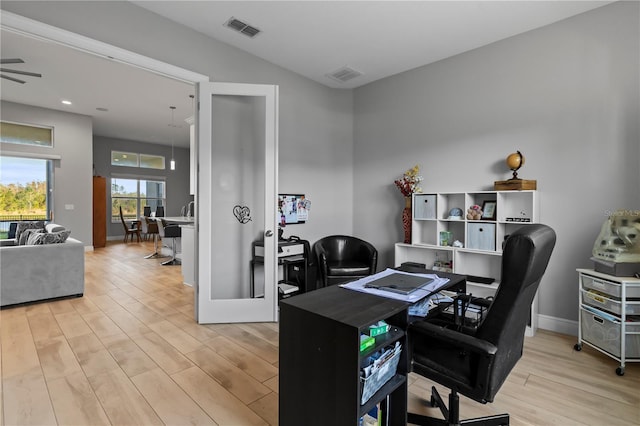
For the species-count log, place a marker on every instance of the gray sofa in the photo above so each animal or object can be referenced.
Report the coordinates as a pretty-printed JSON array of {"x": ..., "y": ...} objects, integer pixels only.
[{"x": 30, "y": 273}]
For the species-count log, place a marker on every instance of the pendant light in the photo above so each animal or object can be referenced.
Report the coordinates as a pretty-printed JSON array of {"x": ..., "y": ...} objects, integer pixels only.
[{"x": 172, "y": 163}]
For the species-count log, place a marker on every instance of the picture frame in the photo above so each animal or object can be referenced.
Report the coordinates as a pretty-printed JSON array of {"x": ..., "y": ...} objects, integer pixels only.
[{"x": 489, "y": 210}]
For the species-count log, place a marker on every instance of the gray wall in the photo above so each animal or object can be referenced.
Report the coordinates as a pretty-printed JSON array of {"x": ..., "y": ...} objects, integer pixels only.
[
  {"x": 72, "y": 142},
  {"x": 316, "y": 123},
  {"x": 566, "y": 96},
  {"x": 177, "y": 181}
]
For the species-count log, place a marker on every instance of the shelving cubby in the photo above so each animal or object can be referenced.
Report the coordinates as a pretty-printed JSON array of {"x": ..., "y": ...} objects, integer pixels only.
[{"x": 481, "y": 251}]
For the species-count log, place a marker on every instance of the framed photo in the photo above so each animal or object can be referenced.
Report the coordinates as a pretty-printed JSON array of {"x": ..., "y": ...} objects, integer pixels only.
[{"x": 489, "y": 210}]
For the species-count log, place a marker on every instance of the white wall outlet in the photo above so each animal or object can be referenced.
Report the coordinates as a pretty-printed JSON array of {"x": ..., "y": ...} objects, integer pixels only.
[{"x": 69, "y": 206}]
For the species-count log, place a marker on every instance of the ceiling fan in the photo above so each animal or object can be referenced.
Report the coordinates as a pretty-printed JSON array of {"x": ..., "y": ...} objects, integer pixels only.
[{"x": 15, "y": 61}]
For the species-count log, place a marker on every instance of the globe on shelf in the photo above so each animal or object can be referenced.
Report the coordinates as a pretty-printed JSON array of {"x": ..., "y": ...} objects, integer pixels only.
[{"x": 514, "y": 162}]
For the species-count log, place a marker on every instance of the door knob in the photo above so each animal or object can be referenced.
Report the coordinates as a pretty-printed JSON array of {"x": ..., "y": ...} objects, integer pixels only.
[{"x": 269, "y": 233}]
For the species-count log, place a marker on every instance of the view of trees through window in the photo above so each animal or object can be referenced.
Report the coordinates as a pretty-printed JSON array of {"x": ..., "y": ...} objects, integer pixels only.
[
  {"x": 133, "y": 195},
  {"x": 24, "y": 185}
]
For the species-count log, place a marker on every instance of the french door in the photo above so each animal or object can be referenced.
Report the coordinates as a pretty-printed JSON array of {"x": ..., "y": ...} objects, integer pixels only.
[{"x": 236, "y": 187}]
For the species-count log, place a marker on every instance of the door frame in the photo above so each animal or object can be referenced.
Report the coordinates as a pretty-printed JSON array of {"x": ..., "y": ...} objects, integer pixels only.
[
  {"x": 39, "y": 30},
  {"x": 207, "y": 309}
]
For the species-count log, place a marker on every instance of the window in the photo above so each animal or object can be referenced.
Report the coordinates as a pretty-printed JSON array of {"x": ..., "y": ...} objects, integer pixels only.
[
  {"x": 127, "y": 159},
  {"x": 131, "y": 159},
  {"x": 133, "y": 195},
  {"x": 23, "y": 134},
  {"x": 25, "y": 190},
  {"x": 152, "y": 161}
]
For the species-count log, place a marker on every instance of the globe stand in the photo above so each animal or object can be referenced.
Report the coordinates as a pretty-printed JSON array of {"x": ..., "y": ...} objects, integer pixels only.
[{"x": 514, "y": 162}]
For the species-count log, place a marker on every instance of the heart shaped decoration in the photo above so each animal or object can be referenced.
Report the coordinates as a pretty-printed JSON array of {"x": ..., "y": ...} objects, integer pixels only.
[{"x": 242, "y": 213}]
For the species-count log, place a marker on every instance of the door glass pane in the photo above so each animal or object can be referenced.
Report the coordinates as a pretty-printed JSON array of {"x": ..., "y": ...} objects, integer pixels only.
[{"x": 238, "y": 188}]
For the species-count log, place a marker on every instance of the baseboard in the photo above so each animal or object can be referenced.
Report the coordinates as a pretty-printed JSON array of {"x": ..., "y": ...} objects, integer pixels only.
[{"x": 558, "y": 325}]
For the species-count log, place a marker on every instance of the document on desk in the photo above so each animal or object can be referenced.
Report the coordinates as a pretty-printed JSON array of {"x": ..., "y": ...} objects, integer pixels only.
[{"x": 429, "y": 289}]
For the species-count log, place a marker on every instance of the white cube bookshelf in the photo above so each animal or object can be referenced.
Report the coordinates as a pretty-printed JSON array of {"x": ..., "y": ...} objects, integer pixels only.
[{"x": 481, "y": 251}]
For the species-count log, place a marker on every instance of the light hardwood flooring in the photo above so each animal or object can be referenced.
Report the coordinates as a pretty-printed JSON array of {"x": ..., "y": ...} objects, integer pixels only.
[{"x": 130, "y": 353}]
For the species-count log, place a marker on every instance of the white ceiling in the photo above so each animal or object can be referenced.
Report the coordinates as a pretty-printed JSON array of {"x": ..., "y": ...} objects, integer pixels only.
[
  {"x": 377, "y": 38},
  {"x": 312, "y": 38}
]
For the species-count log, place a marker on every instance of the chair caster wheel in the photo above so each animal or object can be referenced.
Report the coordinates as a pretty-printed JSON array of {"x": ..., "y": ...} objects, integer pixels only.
[
  {"x": 620, "y": 371},
  {"x": 577, "y": 347}
]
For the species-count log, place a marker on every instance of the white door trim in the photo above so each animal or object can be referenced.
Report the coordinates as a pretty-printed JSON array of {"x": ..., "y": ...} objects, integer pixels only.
[{"x": 36, "y": 29}]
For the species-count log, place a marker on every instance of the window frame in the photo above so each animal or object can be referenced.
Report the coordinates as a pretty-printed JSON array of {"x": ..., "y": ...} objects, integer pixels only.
[
  {"x": 141, "y": 201},
  {"x": 49, "y": 191}
]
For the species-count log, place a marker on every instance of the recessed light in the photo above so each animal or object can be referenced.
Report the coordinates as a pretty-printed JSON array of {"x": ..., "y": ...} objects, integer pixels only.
[{"x": 66, "y": 102}]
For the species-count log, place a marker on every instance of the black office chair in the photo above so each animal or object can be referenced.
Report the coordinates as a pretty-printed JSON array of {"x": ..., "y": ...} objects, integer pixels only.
[
  {"x": 160, "y": 211},
  {"x": 172, "y": 231},
  {"x": 476, "y": 362},
  {"x": 342, "y": 258},
  {"x": 147, "y": 211}
]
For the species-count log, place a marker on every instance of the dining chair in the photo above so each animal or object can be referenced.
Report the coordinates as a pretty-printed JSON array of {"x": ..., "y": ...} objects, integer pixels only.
[{"x": 130, "y": 230}]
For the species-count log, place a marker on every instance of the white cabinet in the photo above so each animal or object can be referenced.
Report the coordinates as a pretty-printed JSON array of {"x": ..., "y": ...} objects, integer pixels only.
[{"x": 480, "y": 257}]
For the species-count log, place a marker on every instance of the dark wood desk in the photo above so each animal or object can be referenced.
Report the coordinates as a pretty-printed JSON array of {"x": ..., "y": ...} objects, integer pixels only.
[{"x": 320, "y": 356}]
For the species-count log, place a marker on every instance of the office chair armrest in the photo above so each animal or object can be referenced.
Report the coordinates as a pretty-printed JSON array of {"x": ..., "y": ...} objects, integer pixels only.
[{"x": 453, "y": 337}]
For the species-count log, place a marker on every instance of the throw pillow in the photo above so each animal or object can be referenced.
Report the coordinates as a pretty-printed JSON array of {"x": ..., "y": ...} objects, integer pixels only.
[
  {"x": 22, "y": 226},
  {"x": 26, "y": 234},
  {"x": 48, "y": 238},
  {"x": 54, "y": 227}
]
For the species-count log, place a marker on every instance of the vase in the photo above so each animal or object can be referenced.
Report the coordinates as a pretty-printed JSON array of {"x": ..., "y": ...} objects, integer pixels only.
[{"x": 406, "y": 220}]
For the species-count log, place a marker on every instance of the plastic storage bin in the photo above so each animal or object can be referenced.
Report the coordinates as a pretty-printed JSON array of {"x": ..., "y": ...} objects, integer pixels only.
[
  {"x": 609, "y": 303},
  {"x": 601, "y": 331},
  {"x": 608, "y": 287}
]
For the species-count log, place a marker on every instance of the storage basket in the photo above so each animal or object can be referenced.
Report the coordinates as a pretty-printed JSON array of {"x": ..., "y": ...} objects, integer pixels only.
[
  {"x": 609, "y": 303},
  {"x": 608, "y": 287},
  {"x": 377, "y": 379},
  {"x": 605, "y": 334}
]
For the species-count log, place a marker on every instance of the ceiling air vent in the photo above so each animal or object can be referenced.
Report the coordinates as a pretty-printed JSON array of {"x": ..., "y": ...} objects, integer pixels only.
[
  {"x": 344, "y": 74},
  {"x": 242, "y": 27}
]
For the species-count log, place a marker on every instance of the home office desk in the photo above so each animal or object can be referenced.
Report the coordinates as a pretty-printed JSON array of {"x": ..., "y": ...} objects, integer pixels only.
[{"x": 320, "y": 358}]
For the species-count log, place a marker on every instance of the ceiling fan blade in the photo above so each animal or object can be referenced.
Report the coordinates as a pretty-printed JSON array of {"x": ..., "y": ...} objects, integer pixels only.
[
  {"x": 12, "y": 79},
  {"x": 32, "y": 74},
  {"x": 11, "y": 61}
]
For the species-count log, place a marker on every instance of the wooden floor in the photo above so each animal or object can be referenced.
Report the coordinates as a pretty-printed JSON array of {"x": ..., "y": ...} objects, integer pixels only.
[{"x": 129, "y": 353}]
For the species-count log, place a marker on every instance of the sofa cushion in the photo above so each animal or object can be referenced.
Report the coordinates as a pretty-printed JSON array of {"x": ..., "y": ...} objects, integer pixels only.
[
  {"x": 26, "y": 234},
  {"x": 22, "y": 226},
  {"x": 48, "y": 238},
  {"x": 54, "y": 227}
]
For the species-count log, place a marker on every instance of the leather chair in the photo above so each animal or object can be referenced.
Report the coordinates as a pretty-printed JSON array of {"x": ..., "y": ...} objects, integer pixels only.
[
  {"x": 130, "y": 230},
  {"x": 149, "y": 228},
  {"x": 475, "y": 362},
  {"x": 342, "y": 258},
  {"x": 172, "y": 231}
]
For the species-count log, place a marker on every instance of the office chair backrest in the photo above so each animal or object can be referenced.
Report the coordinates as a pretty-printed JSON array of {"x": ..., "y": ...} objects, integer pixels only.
[
  {"x": 160, "y": 211},
  {"x": 524, "y": 260},
  {"x": 147, "y": 211}
]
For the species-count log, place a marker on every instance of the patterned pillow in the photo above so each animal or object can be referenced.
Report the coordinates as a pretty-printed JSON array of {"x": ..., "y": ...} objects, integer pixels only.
[
  {"x": 48, "y": 238},
  {"x": 22, "y": 226},
  {"x": 26, "y": 234}
]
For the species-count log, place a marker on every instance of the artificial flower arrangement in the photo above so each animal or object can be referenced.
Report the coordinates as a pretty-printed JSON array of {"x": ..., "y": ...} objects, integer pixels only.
[{"x": 409, "y": 183}]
